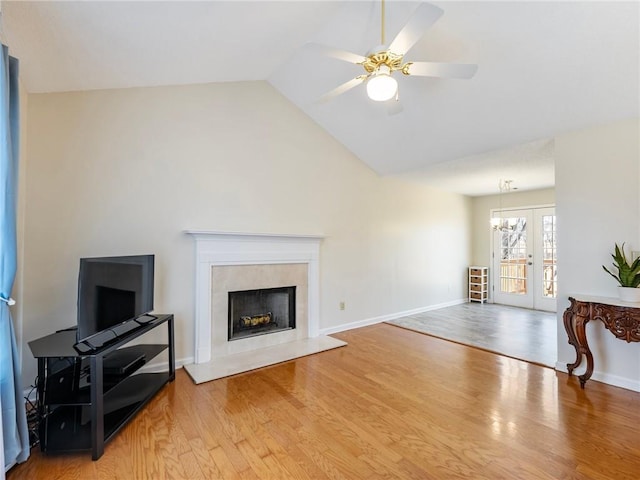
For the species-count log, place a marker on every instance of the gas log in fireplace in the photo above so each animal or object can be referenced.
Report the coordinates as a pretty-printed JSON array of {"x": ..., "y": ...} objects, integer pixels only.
[{"x": 257, "y": 312}]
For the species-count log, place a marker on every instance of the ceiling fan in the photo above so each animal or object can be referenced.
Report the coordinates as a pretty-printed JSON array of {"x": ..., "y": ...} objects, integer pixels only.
[{"x": 383, "y": 61}]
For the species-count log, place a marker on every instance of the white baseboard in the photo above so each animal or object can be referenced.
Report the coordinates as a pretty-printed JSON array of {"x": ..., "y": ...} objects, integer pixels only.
[
  {"x": 561, "y": 367},
  {"x": 164, "y": 366},
  {"x": 614, "y": 380},
  {"x": 385, "y": 318}
]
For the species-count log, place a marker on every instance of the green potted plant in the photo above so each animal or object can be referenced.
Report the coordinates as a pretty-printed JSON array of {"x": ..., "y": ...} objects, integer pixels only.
[{"x": 628, "y": 275}]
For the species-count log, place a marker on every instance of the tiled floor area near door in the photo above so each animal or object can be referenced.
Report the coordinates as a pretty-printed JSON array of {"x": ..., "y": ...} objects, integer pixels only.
[{"x": 520, "y": 333}]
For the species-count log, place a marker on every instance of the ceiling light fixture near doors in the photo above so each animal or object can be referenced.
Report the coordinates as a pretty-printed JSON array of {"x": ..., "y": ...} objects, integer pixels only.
[
  {"x": 382, "y": 61},
  {"x": 497, "y": 223}
]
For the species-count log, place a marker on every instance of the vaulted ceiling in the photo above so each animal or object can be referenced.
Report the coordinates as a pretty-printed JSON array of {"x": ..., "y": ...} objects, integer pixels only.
[{"x": 544, "y": 68}]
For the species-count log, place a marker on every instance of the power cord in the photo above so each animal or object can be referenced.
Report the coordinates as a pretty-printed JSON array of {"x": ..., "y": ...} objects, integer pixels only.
[{"x": 33, "y": 415}]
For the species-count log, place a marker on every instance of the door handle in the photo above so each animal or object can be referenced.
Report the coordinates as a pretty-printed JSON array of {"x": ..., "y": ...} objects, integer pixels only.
[{"x": 529, "y": 263}]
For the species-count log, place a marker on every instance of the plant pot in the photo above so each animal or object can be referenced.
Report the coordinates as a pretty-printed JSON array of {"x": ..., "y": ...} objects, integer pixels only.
[{"x": 629, "y": 294}]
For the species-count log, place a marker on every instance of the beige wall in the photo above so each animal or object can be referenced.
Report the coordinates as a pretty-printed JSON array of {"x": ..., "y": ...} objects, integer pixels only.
[
  {"x": 597, "y": 205},
  {"x": 127, "y": 171},
  {"x": 482, "y": 206}
]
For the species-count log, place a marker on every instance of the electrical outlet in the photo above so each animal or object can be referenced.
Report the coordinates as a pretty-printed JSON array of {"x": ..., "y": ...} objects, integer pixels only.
[{"x": 342, "y": 305}]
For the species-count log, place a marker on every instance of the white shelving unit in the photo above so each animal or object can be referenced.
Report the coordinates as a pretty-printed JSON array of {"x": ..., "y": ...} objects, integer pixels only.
[{"x": 478, "y": 284}]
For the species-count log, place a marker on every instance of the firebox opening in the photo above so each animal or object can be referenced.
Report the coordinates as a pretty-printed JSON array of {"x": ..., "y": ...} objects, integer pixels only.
[{"x": 262, "y": 311}]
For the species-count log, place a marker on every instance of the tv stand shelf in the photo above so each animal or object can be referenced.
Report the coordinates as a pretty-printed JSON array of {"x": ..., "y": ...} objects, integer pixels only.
[{"x": 85, "y": 398}]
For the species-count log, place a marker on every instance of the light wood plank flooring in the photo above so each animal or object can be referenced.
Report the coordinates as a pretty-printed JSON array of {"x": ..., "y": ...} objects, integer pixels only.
[
  {"x": 520, "y": 333},
  {"x": 392, "y": 404}
]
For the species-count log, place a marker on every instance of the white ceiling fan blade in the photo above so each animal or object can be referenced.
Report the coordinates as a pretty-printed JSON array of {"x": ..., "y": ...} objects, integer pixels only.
[
  {"x": 339, "y": 90},
  {"x": 424, "y": 16},
  {"x": 444, "y": 70},
  {"x": 335, "y": 53}
]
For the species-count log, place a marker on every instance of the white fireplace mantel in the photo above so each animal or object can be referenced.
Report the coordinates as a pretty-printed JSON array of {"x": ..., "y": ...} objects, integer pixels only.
[{"x": 232, "y": 248}]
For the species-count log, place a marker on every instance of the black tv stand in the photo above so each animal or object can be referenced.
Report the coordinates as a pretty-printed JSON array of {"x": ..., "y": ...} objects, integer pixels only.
[
  {"x": 124, "y": 361},
  {"x": 85, "y": 398}
]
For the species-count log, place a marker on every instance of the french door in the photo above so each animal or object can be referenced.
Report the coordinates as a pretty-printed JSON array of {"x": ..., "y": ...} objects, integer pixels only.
[{"x": 524, "y": 258}]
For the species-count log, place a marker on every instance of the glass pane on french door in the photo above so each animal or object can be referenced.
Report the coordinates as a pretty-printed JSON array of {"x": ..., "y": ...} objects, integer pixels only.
[
  {"x": 549, "y": 272},
  {"x": 512, "y": 259},
  {"x": 513, "y": 256},
  {"x": 545, "y": 269}
]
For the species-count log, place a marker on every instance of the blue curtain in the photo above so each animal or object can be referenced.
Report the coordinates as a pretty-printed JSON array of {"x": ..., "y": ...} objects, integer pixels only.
[{"x": 14, "y": 419}]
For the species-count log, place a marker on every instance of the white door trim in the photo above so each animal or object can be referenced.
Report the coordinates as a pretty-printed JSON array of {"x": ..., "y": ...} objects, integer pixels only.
[{"x": 537, "y": 304}]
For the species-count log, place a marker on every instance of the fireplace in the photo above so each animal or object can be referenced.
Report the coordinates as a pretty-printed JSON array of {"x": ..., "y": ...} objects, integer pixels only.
[
  {"x": 261, "y": 311},
  {"x": 239, "y": 262}
]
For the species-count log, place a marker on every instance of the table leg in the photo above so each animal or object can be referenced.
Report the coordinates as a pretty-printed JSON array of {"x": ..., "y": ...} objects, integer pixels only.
[
  {"x": 97, "y": 407},
  {"x": 581, "y": 322},
  {"x": 575, "y": 319},
  {"x": 568, "y": 320},
  {"x": 172, "y": 354}
]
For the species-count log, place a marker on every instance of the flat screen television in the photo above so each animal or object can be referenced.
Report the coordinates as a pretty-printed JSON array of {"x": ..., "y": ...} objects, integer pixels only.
[{"x": 112, "y": 291}]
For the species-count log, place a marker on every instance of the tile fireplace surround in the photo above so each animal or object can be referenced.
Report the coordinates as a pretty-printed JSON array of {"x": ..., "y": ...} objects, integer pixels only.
[{"x": 228, "y": 261}]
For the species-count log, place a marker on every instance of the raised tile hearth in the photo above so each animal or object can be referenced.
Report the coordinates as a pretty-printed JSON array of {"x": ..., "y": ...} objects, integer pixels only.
[{"x": 262, "y": 357}]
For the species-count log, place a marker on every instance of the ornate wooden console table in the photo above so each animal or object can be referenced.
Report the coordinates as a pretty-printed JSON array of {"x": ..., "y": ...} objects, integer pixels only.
[{"x": 620, "y": 318}]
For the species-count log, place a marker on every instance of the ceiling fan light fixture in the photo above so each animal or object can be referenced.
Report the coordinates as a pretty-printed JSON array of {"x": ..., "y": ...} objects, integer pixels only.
[{"x": 381, "y": 86}]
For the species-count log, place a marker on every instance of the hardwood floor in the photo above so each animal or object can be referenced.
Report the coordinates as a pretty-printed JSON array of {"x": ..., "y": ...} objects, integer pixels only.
[
  {"x": 520, "y": 333},
  {"x": 393, "y": 404}
]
